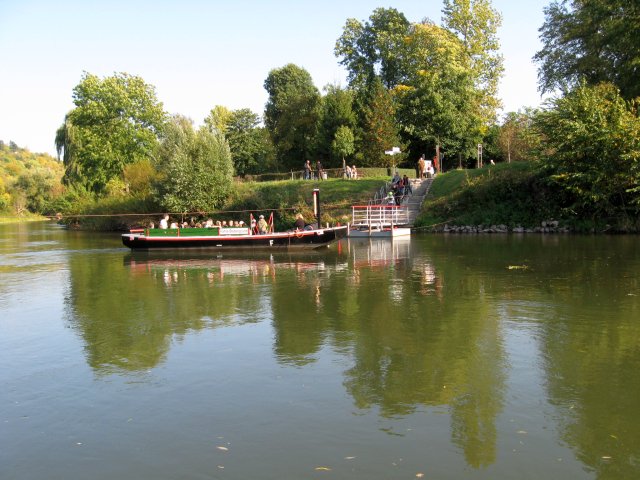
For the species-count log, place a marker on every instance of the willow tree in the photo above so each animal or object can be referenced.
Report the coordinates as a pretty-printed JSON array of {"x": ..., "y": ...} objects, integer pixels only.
[{"x": 115, "y": 122}]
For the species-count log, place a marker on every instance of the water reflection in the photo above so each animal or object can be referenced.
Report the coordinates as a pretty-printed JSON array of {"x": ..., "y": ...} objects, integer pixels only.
[{"x": 418, "y": 326}]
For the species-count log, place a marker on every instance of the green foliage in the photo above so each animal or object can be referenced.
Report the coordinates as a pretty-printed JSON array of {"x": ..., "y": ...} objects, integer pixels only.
[
  {"x": 517, "y": 138},
  {"x": 336, "y": 111},
  {"x": 197, "y": 168},
  {"x": 593, "y": 41},
  {"x": 514, "y": 194},
  {"x": 343, "y": 143},
  {"x": 251, "y": 148},
  {"x": 380, "y": 132},
  {"x": 476, "y": 24},
  {"x": 593, "y": 150},
  {"x": 28, "y": 181},
  {"x": 116, "y": 121},
  {"x": 438, "y": 105},
  {"x": 218, "y": 119},
  {"x": 370, "y": 50},
  {"x": 139, "y": 177},
  {"x": 291, "y": 113}
]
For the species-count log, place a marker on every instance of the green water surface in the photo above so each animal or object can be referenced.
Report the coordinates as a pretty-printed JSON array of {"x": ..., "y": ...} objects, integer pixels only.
[{"x": 436, "y": 357}]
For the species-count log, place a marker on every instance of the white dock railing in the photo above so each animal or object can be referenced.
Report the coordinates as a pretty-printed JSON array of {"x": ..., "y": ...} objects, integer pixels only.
[{"x": 379, "y": 216}]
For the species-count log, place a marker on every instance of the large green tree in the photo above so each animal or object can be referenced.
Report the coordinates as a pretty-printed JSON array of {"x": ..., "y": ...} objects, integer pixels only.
[
  {"x": 251, "y": 149},
  {"x": 437, "y": 104},
  {"x": 373, "y": 49},
  {"x": 590, "y": 40},
  {"x": 196, "y": 166},
  {"x": 476, "y": 24},
  {"x": 291, "y": 113},
  {"x": 592, "y": 140},
  {"x": 116, "y": 121},
  {"x": 336, "y": 112},
  {"x": 380, "y": 131}
]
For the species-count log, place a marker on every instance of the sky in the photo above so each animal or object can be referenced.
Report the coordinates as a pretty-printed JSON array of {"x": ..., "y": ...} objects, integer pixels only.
[{"x": 199, "y": 54}]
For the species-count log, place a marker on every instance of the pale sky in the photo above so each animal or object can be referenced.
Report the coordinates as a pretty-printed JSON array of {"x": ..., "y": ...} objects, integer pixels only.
[{"x": 199, "y": 53}]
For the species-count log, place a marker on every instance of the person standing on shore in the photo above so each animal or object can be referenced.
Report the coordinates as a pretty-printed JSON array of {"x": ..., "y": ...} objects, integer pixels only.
[
  {"x": 421, "y": 166},
  {"x": 307, "y": 170}
]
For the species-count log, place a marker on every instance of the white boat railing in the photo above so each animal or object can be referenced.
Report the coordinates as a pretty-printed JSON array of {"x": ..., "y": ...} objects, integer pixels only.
[{"x": 379, "y": 216}]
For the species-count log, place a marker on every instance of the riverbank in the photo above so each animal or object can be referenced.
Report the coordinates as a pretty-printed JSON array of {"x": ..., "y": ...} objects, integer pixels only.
[
  {"x": 284, "y": 198},
  {"x": 518, "y": 197}
]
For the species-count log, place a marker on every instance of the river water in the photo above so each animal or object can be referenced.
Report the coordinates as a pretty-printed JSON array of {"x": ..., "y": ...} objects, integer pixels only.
[{"x": 438, "y": 357}]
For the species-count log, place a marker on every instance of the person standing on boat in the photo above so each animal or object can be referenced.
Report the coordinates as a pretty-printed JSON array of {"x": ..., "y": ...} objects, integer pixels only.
[
  {"x": 263, "y": 226},
  {"x": 164, "y": 222}
]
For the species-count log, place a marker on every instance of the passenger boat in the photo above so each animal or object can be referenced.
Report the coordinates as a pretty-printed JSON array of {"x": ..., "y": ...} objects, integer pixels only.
[{"x": 230, "y": 238}]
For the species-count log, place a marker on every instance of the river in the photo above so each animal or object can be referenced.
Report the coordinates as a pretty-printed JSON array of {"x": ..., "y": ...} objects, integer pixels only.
[{"x": 438, "y": 357}]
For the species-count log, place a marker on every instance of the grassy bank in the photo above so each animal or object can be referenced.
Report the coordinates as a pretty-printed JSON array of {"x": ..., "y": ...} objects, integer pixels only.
[
  {"x": 519, "y": 194},
  {"x": 284, "y": 198}
]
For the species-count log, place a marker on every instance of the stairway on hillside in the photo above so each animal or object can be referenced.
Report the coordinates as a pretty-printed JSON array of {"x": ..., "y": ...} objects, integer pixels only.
[{"x": 414, "y": 202}]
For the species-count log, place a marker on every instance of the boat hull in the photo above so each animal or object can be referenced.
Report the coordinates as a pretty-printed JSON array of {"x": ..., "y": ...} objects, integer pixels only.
[
  {"x": 380, "y": 233},
  {"x": 307, "y": 239}
]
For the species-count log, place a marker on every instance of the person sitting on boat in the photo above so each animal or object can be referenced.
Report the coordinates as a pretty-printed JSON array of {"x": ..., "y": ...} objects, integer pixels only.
[
  {"x": 254, "y": 226},
  {"x": 263, "y": 226},
  {"x": 299, "y": 222},
  {"x": 209, "y": 223},
  {"x": 174, "y": 225},
  {"x": 164, "y": 222}
]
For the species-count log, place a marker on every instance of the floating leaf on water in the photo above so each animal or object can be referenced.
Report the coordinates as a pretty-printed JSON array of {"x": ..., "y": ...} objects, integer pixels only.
[
  {"x": 323, "y": 469},
  {"x": 522, "y": 432},
  {"x": 517, "y": 267},
  {"x": 349, "y": 458},
  {"x": 224, "y": 449},
  {"x": 419, "y": 475},
  {"x": 613, "y": 436},
  {"x": 606, "y": 457}
]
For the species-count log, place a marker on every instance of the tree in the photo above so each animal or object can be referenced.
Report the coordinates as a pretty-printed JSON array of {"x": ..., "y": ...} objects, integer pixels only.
[
  {"x": 115, "y": 122},
  {"x": 591, "y": 40},
  {"x": 380, "y": 132},
  {"x": 218, "y": 119},
  {"x": 336, "y": 111},
  {"x": 516, "y": 138},
  {"x": 437, "y": 104},
  {"x": 592, "y": 138},
  {"x": 197, "y": 168},
  {"x": 251, "y": 149},
  {"x": 343, "y": 143},
  {"x": 291, "y": 113},
  {"x": 372, "y": 49},
  {"x": 476, "y": 24}
]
